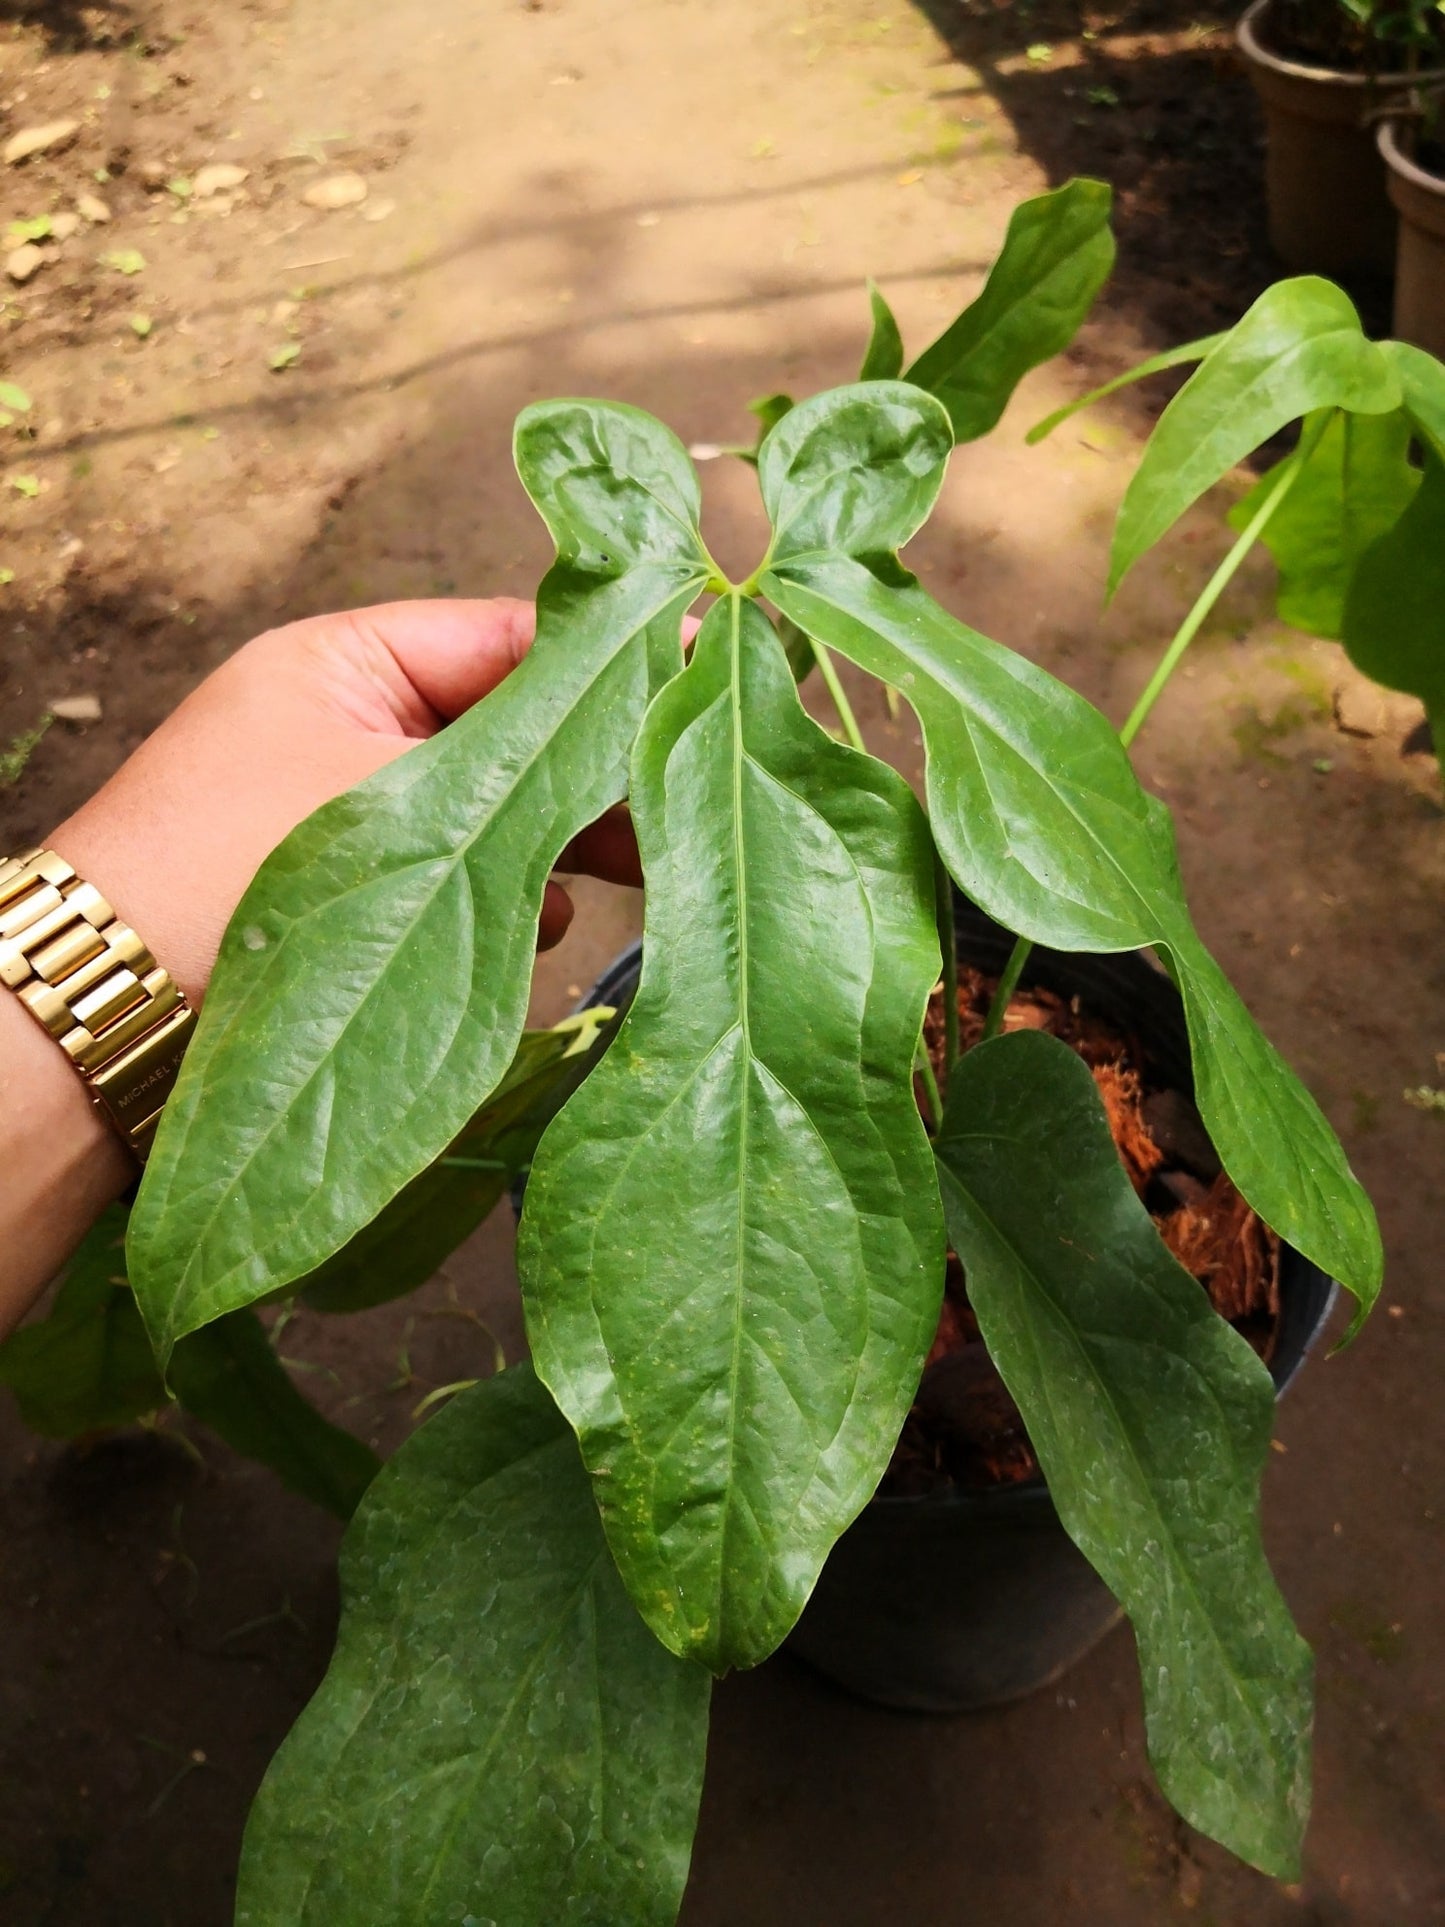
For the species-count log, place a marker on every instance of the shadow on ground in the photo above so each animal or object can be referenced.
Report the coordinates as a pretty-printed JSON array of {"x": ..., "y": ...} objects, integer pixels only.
[{"x": 1152, "y": 97}]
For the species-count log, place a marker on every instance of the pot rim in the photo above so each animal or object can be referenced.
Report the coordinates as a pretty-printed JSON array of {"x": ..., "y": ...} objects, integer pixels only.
[
  {"x": 1250, "y": 45},
  {"x": 1387, "y": 139}
]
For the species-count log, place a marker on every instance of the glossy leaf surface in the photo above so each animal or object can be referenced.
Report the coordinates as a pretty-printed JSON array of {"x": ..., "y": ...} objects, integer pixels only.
[
  {"x": 1355, "y": 485},
  {"x": 1394, "y": 615},
  {"x": 1299, "y": 348},
  {"x": 883, "y": 360},
  {"x": 499, "y": 1738},
  {"x": 377, "y": 971},
  {"x": 731, "y": 1250},
  {"x": 411, "y": 1237},
  {"x": 1151, "y": 1419},
  {"x": 1035, "y": 808},
  {"x": 1056, "y": 256},
  {"x": 229, "y": 1377},
  {"x": 88, "y": 1364}
]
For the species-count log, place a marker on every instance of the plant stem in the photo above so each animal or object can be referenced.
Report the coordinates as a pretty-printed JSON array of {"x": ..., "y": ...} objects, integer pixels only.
[
  {"x": 948, "y": 944},
  {"x": 1007, "y": 984},
  {"x": 839, "y": 695},
  {"x": 1213, "y": 589},
  {"x": 923, "y": 1064}
]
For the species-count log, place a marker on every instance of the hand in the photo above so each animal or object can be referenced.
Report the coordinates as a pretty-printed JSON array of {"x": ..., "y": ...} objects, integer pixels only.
[
  {"x": 176, "y": 835},
  {"x": 291, "y": 720}
]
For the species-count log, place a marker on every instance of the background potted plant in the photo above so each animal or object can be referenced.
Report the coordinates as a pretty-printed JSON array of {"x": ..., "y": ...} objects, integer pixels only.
[
  {"x": 1412, "y": 143},
  {"x": 733, "y": 1242},
  {"x": 1354, "y": 515},
  {"x": 1323, "y": 70}
]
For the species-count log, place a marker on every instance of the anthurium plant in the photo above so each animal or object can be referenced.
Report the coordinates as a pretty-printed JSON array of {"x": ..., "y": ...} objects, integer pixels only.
[
  {"x": 733, "y": 1242},
  {"x": 1354, "y": 514}
]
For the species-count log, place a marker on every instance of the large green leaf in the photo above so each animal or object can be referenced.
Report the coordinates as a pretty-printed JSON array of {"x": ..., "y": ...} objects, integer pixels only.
[
  {"x": 412, "y": 1236},
  {"x": 1056, "y": 256},
  {"x": 376, "y": 975},
  {"x": 1151, "y": 1419},
  {"x": 731, "y": 1250},
  {"x": 499, "y": 1738},
  {"x": 229, "y": 1377},
  {"x": 88, "y": 1364},
  {"x": 1394, "y": 615},
  {"x": 1299, "y": 348},
  {"x": 1355, "y": 484},
  {"x": 1033, "y": 803}
]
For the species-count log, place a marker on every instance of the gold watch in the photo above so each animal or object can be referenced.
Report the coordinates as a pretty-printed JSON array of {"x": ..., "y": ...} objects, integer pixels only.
[{"x": 118, "y": 1016}]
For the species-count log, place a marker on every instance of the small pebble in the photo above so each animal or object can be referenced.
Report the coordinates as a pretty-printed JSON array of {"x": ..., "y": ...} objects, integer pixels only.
[
  {"x": 218, "y": 178},
  {"x": 335, "y": 191},
  {"x": 92, "y": 208},
  {"x": 76, "y": 709},
  {"x": 49, "y": 139},
  {"x": 62, "y": 226},
  {"x": 22, "y": 262},
  {"x": 378, "y": 210}
]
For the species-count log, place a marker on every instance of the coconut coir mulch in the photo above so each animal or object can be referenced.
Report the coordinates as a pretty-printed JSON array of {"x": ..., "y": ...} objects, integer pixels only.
[{"x": 964, "y": 1431}]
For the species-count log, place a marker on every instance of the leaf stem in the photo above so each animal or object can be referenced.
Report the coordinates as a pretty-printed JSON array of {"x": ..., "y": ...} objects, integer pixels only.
[
  {"x": 840, "y": 698},
  {"x": 1284, "y": 481},
  {"x": 1008, "y": 983},
  {"x": 948, "y": 944},
  {"x": 923, "y": 1064}
]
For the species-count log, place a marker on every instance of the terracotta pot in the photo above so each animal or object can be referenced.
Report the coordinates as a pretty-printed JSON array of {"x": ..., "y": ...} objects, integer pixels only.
[
  {"x": 1325, "y": 183},
  {"x": 1419, "y": 198}
]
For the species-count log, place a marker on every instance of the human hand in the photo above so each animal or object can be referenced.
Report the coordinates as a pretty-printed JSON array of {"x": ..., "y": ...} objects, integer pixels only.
[
  {"x": 291, "y": 720},
  {"x": 177, "y": 834}
]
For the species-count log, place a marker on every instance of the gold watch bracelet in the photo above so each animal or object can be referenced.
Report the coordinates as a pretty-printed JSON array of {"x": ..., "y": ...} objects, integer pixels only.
[{"x": 119, "y": 1017}]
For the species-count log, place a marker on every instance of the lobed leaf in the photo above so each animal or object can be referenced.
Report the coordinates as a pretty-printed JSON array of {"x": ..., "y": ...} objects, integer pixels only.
[
  {"x": 1299, "y": 348},
  {"x": 1151, "y": 1419},
  {"x": 1355, "y": 485},
  {"x": 377, "y": 970},
  {"x": 1035, "y": 808},
  {"x": 1056, "y": 256},
  {"x": 498, "y": 1738},
  {"x": 731, "y": 1252}
]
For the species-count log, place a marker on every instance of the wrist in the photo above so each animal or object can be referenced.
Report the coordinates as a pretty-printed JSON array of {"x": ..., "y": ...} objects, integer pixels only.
[
  {"x": 128, "y": 862},
  {"x": 63, "y": 1162}
]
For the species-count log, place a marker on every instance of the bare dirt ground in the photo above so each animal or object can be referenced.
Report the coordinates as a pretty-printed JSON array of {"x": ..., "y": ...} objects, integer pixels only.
[{"x": 282, "y": 409}]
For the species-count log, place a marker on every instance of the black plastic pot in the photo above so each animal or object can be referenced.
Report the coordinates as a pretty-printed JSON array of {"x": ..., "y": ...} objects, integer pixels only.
[{"x": 950, "y": 1602}]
